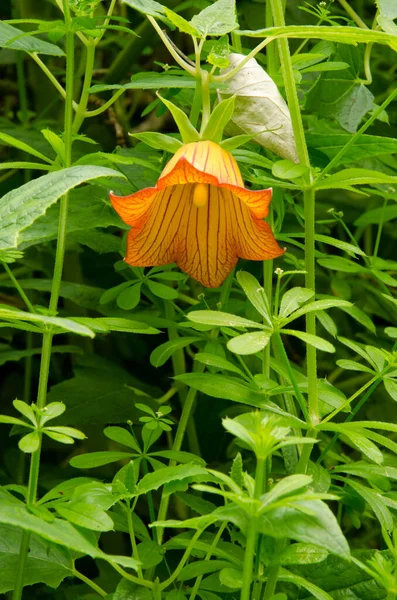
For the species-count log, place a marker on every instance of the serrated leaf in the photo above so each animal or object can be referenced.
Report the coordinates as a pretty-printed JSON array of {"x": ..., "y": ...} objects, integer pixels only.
[
  {"x": 217, "y": 19},
  {"x": 22, "y": 206}
]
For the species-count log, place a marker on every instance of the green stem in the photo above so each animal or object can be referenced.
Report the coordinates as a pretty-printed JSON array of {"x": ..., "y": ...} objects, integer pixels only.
[
  {"x": 180, "y": 433},
  {"x": 178, "y": 59},
  {"x": 350, "y": 418},
  {"x": 47, "y": 337},
  {"x": 19, "y": 289},
  {"x": 206, "y": 99},
  {"x": 252, "y": 532},
  {"x": 131, "y": 532},
  {"x": 89, "y": 582},
  {"x": 214, "y": 544},
  {"x": 273, "y": 573},
  {"x": 352, "y": 14},
  {"x": 183, "y": 560},
  {"x": 89, "y": 67},
  {"x": 287, "y": 364}
]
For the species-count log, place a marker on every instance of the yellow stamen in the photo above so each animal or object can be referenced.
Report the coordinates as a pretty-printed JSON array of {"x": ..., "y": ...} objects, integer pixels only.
[{"x": 200, "y": 194}]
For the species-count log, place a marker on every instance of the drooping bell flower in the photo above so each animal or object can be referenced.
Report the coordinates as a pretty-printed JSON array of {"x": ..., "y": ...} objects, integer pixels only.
[{"x": 198, "y": 215}]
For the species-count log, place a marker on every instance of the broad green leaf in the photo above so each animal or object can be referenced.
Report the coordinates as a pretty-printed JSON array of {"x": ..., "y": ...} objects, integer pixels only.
[
  {"x": 53, "y": 322},
  {"x": 186, "y": 129},
  {"x": 152, "y": 481},
  {"x": 352, "y": 365},
  {"x": 218, "y": 120},
  {"x": 255, "y": 294},
  {"x": 309, "y": 521},
  {"x": 292, "y": 299},
  {"x": 14, "y": 513},
  {"x": 46, "y": 563},
  {"x": 313, "y": 340},
  {"x": 219, "y": 53},
  {"x": 30, "y": 442},
  {"x": 6, "y": 420},
  {"x": 364, "y": 147},
  {"x": 69, "y": 431},
  {"x": 85, "y": 515},
  {"x": 349, "y": 177},
  {"x": 129, "y": 297},
  {"x": 150, "y": 554},
  {"x": 26, "y": 410},
  {"x": 287, "y": 169},
  {"x": 217, "y": 19},
  {"x": 122, "y": 436},
  {"x": 314, "y": 590},
  {"x": 248, "y": 343},
  {"x": 9, "y": 140},
  {"x": 22, "y": 206},
  {"x": 220, "y": 319},
  {"x": 26, "y": 44},
  {"x": 158, "y": 141},
  {"x": 301, "y": 554},
  {"x": 97, "y": 459},
  {"x": 161, "y": 290},
  {"x": 162, "y": 353}
]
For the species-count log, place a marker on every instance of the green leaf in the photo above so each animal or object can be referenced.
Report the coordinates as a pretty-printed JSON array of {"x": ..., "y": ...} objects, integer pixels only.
[
  {"x": 218, "y": 362},
  {"x": 122, "y": 436},
  {"x": 6, "y": 420},
  {"x": 129, "y": 297},
  {"x": 227, "y": 388},
  {"x": 312, "y": 340},
  {"x": 22, "y": 206},
  {"x": 29, "y": 443},
  {"x": 338, "y": 263},
  {"x": 181, "y": 23},
  {"x": 107, "y": 324},
  {"x": 248, "y": 343},
  {"x": 342, "y": 34},
  {"x": 287, "y": 169},
  {"x": 218, "y": 120},
  {"x": 98, "y": 459},
  {"x": 158, "y": 141},
  {"x": 375, "y": 501},
  {"x": 150, "y": 554},
  {"x": 152, "y": 481},
  {"x": 55, "y": 322},
  {"x": 391, "y": 387},
  {"x": 309, "y": 521},
  {"x": 318, "y": 305},
  {"x": 220, "y": 319},
  {"x": 149, "y": 81},
  {"x": 255, "y": 294},
  {"x": 219, "y": 53},
  {"x": 348, "y": 177},
  {"x": 301, "y": 554},
  {"x": 147, "y": 7},
  {"x": 26, "y": 44},
  {"x": 352, "y": 365},
  {"x": 15, "y": 513},
  {"x": 46, "y": 563},
  {"x": 217, "y": 19},
  {"x": 364, "y": 147},
  {"x": 292, "y": 300},
  {"x": 26, "y": 410},
  {"x": 55, "y": 142},
  {"x": 85, "y": 515},
  {"x": 162, "y": 291},
  {"x": 186, "y": 129},
  {"x": 9, "y": 140},
  {"x": 162, "y": 353}
]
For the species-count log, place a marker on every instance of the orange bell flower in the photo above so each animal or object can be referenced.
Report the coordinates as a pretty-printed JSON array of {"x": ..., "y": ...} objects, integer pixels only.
[{"x": 199, "y": 215}]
